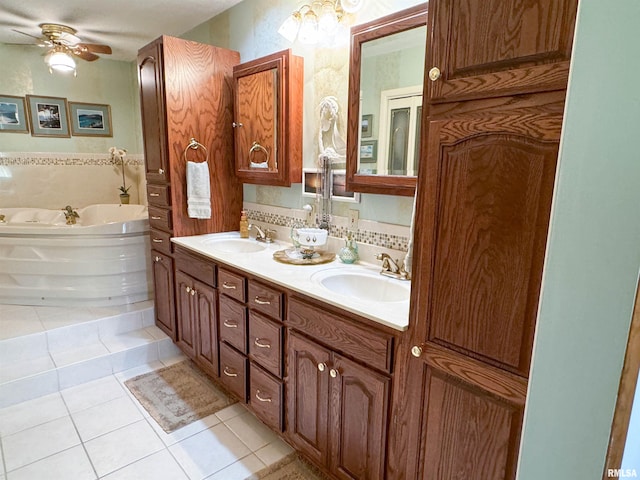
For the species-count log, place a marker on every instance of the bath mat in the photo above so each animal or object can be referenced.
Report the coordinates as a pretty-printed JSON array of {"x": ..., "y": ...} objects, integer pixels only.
[
  {"x": 177, "y": 395},
  {"x": 291, "y": 467}
]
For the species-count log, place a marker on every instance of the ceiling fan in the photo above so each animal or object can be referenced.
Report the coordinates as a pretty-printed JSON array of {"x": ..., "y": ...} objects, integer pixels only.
[{"x": 64, "y": 44}]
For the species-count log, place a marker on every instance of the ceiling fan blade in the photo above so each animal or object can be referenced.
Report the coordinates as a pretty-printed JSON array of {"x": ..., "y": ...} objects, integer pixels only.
[
  {"x": 86, "y": 55},
  {"x": 95, "y": 48},
  {"x": 42, "y": 42}
]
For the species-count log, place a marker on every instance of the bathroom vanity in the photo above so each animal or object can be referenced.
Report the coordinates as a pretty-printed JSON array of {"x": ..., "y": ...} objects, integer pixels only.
[{"x": 314, "y": 365}]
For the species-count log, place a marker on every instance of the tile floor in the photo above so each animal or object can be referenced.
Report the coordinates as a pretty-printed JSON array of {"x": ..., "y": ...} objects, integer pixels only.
[{"x": 98, "y": 430}]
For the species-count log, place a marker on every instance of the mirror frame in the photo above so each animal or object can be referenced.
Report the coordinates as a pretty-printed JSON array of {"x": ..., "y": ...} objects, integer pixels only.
[{"x": 382, "y": 27}]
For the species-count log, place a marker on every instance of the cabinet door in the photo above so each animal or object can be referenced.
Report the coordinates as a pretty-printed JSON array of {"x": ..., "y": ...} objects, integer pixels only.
[
  {"x": 358, "y": 420},
  {"x": 207, "y": 351},
  {"x": 150, "y": 78},
  {"x": 164, "y": 293},
  {"x": 308, "y": 397},
  {"x": 486, "y": 48},
  {"x": 186, "y": 331}
]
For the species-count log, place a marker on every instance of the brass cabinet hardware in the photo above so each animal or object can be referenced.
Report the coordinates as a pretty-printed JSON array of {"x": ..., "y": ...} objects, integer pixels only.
[
  {"x": 262, "y": 399},
  {"x": 230, "y": 325},
  {"x": 228, "y": 286},
  {"x": 261, "y": 302},
  {"x": 229, "y": 373},
  {"x": 259, "y": 344}
]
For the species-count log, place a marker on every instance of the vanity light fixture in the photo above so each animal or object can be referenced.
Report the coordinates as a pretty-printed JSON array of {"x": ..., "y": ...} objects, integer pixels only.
[
  {"x": 324, "y": 22},
  {"x": 60, "y": 60}
]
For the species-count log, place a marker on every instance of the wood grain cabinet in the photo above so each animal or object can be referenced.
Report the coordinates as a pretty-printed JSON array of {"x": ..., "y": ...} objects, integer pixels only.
[
  {"x": 267, "y": 119},
  {"x": 163, "y": 288}
]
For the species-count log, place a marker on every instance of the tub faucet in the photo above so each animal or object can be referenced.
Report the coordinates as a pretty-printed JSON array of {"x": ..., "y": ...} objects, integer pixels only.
[
  {"x": 391, "y": 269},
  {"x": 70, "y": 215},
  {"x": 2, "y": 220}
]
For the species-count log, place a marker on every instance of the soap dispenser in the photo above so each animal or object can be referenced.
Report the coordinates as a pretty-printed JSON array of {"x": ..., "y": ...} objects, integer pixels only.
[
  {"x": 244, "y": 225},
  {"x": 349, "y": 253}
]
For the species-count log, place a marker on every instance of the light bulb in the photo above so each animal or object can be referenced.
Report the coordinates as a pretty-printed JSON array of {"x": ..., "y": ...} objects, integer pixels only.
[{"x": 309, "y": 29}]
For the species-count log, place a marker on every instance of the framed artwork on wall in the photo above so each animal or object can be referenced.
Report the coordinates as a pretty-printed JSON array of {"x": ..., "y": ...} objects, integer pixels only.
[
  {"x": 48, "y": 116},
  {"x": 90, "y": 119},
  {"x": 13, "y": 114}
]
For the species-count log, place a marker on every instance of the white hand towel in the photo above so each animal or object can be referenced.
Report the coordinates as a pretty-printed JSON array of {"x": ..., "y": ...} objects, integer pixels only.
[{"x": 198, "y": 190}]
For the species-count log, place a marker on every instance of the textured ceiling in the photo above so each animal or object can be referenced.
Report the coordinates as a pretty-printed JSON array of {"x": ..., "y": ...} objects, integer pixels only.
[{"x": 125, "y": 25}]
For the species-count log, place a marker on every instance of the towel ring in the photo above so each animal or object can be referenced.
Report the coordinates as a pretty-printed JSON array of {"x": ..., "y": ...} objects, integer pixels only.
[
  {"x": 256, "y": 147},
  {"x": 194, "y": 144}
]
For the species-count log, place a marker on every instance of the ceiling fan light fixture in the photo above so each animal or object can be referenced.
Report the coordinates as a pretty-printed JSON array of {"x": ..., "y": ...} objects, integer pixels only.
[{"x": 60, "y": 61}]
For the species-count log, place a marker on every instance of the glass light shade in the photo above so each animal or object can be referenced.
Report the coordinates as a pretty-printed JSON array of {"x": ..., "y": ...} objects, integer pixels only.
[
  {"x": 60, "y": 61},
  {"x": 328, "y": 19},
  {"x": 289, "y": 28},
  {"x": 309, "y": 29}
]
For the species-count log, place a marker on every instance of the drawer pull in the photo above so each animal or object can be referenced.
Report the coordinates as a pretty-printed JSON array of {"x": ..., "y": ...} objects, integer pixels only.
[
  {"x": 261, "y": 302},
  {"x": 262, "y": 399},
  {"x": 230, "y": 324},
  {"x": 229, "y": 373},
  {"x": 156, "y": 218},
  {"x": 156, "y": 240},
  {"x": 154, "y": 194},
  {"x": 259, "y": 344},
  {"x": 228, "y": 286}
]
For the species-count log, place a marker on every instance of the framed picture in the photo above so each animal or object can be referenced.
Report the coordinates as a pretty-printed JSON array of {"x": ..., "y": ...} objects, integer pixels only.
[
  {"x": 13, "y": 115},
  {"x": 366, "y": 127},
  {"x": 339, "y": 188},
  {"x": 48, "y": 116},
  {"x": 368, "y": 151},
  {"x": 90, "y": 120},
  {"x": 311, "y": 182}
]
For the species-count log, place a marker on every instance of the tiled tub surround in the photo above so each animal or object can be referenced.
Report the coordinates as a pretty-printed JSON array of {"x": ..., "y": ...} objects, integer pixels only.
[{"x": 54, "y": 180}]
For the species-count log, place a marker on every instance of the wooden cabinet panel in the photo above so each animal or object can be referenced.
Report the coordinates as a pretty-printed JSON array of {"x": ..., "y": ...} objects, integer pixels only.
[
  {"x": 164, "y": 293},
  {"x": 186, "y": 331},
  {"x": 198, "y": 267},
  {"x": 207, "y": 351},
  {"x": 265, "y": 343},
  {"x": 265, "y": 299},
  {"x": 233, "y": 371},
  {"x": 233, "y": 323},
  {"x": 358, "y": 421},
  {"x": 265, "y": 397},
  {"x": 308, "y": 397},
  {"x": 161, "y": 241},
  {"x": 495, "y": 48},
  {"x": 232, "y": 285}
]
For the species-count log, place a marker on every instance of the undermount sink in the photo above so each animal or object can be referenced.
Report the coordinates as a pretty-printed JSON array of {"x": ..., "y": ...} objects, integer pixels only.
[
  {"x": 234, "y": 245},
  {"x": 363, "y": 286}
]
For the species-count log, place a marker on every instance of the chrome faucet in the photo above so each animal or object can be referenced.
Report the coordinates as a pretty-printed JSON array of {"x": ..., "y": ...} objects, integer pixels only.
[
  {"x": 265, "y": 235},
  {"x": 390, "y": 268}
]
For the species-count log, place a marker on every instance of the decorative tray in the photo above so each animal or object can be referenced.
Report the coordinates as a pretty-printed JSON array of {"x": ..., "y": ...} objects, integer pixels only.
[{"x": 294, "y": 257}]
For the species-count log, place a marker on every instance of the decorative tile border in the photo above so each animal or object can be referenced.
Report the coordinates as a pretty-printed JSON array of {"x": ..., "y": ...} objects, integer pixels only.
[
  {"x": 64, "y": 159},
  {"x": 367, "y": 233}
]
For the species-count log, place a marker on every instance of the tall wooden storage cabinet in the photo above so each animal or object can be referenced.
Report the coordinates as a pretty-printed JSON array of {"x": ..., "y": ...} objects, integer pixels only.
[
  {"x": 496, "y": 75},
  {"x": 186, "y": 91}
]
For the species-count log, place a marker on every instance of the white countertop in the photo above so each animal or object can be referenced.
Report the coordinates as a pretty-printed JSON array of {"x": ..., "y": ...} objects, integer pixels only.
[{"x": 301, "y": 278}]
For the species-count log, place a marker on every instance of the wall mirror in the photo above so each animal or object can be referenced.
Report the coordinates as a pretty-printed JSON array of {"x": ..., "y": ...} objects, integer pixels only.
[{"x": 386, "y": 76}]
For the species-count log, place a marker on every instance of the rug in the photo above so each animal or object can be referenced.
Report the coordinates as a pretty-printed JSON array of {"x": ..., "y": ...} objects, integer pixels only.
[
  {"x": 291, "y": 467},
  {"x": 177, "y": 395}
]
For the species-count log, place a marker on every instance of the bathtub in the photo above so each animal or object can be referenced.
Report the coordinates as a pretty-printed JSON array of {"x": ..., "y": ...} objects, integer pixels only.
[{"x": 101, "y": 260}]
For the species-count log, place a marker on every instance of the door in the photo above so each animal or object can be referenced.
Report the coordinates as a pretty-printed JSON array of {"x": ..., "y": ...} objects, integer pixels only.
[
  {"x": 358, "y": 420},
  {"x": 308, "y": 397},
  {"x": 493, "y": 48},
  {"x": 186, "y": 333},
  {"x": 206, "y": 320},
  {"x": 164, "y": 293},
  {"x": 487, "y": 185}
]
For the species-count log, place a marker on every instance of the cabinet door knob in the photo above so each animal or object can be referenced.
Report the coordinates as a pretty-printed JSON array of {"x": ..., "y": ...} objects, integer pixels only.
[
  {"x": 188, "y": 289},
  {"x": 229, "y": 324},
  {"x": 229, "y": 373},
  {"x": 261, "y": 398},
  {"x": 259, "y": 344},
  {"x": 161, "y": 171},
  {"x": 228, "y": 286},
  {"x": 261, "y": 302},
  {"x": 434, "y": 74},
  {"x": 334, "y": 372},
  {"x": 236, "y": 125},
  {"x": 322, "y": 366},
  {"x": 193, "y": 292},
  {"x": 416, "y": 351},
  {"x": 157, "y": 259}
]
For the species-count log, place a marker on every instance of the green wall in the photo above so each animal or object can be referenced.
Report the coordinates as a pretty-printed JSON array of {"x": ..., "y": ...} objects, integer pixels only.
[
  {"x": 593, "y": 257},
  {"x": 104, "y": 81}
]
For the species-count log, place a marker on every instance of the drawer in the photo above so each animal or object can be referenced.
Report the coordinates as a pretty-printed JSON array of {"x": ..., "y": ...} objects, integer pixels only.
[
  {"x": 232, "y": 285},
  {"x": 199, "y": 268},
  {"x": 265, "y": 343},
  {"x": 370, "y": 347},
  {"x": 265, "y": 299},
  {"x": 233, "y": 371},
  {"x": 161, "y": 241},
  {"x": 158, "y": 195},
  {"x": 233, "y": 323},
  {"x": 160, "y": 218},
  {"x": 265, "y": 397}
]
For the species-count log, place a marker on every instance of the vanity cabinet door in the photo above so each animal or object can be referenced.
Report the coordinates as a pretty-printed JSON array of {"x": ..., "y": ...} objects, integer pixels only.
[
  {"x": 268, "y": 119},
  {"x": 488, "y": 48},
  {"x": 186, "y": 331},
  {"x": 164, "y": 293},
  {"x": 207, "y": 351}
]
